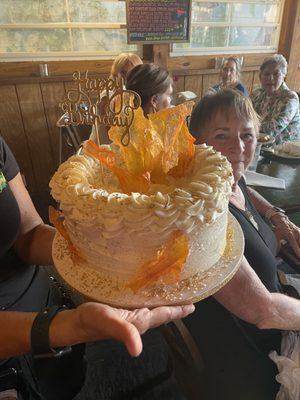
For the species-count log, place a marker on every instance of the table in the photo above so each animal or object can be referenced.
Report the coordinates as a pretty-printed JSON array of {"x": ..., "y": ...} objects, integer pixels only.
[{"x": 288, "y": 198}]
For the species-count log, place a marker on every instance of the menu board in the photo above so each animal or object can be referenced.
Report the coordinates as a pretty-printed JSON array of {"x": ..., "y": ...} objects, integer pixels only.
[{"x": 153, "y": 21}]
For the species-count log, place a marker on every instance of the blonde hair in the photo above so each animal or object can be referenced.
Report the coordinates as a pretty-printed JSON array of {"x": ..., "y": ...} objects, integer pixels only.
[
  {"x": 122, "y": 61},
  {"x": 225, "y": 101}
]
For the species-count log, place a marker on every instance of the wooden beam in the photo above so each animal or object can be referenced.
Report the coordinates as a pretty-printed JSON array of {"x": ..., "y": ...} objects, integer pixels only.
[
  {"x": 287, "y": 25},
  {"x": 161, "y": 54},
  {"x": 55, "y": 68},
  {"x": 293, "y": 77}
]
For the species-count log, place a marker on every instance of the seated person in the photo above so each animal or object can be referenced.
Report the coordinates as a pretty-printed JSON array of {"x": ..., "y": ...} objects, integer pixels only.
[
  {"x": 154, "y": 85},
  {"x": 275, "y": 103},
  {"x": 26, "y": 291},
  {"x": 230, "y": 77},
  {"x": 120, "y": 68},
  {"x": 123, "y": 64},
  {"x": 238, "y": 327}
]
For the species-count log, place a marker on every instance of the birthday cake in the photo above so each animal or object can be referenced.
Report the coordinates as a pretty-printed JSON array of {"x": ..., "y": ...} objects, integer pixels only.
[{"x": 146, "y": 214}]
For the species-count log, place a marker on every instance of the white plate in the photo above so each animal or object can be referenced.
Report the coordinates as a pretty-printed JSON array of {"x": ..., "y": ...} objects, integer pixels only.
[
  {"x": 285, "y": 155},
  {"x": 279, "y": 154},
  {"x": 90, "y": 284},
  {"x": 278, "y": 151}
]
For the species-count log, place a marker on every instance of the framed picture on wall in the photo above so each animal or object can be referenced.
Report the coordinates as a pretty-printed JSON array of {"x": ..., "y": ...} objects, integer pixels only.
[{"x": 151, "y": 21}]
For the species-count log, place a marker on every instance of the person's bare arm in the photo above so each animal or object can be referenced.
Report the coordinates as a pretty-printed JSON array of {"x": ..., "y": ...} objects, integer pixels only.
[
  {"x": 261, "y": 204},
  {"x": 34, "y": 242},
  {"x": 246, "y": 297},
  {"x": 284, "y": 228},
  {"x": 88, "y": 322}
]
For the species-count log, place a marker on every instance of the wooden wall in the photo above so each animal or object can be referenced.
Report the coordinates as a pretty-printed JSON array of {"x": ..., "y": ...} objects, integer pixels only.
[
  {"x": 199, "y": 83},
  {"x": 28, "y": 114}
]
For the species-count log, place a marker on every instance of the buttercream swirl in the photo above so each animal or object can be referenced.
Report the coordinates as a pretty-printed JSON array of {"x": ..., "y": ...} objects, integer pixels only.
[{"x": 101, "y": 218}]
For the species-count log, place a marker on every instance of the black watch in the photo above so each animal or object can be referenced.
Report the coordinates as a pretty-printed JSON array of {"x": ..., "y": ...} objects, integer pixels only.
[{"x": 40, "y": 334}]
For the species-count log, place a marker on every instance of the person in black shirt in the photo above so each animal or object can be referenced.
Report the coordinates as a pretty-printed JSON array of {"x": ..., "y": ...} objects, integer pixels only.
[
  {"x": 25, "y": 291},
  {"x": 240, "y": 325}
]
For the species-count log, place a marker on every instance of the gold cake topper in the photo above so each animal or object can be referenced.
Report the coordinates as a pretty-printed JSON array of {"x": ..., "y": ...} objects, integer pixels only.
[{"x": 82, "y": 103}]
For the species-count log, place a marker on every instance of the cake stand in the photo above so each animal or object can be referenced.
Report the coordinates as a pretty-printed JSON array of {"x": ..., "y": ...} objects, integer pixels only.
[{"x": 86, "y": 284}]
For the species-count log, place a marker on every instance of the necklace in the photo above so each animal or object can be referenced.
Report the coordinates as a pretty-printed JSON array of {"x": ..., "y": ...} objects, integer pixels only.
[
  {"x": 240, "y": 203},
  {"x": 250, "y": 217}
]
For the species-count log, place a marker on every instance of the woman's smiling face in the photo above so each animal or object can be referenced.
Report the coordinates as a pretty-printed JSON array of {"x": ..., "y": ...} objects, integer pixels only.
[{"x": 235, "y": 138}]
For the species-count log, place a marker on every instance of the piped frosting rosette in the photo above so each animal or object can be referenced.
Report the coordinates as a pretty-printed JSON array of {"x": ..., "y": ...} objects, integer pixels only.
[{"x": 172, "y": 231}]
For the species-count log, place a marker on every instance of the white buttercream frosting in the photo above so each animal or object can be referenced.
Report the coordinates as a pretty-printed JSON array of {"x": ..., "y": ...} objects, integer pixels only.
[{"x": 116, "y": 233}]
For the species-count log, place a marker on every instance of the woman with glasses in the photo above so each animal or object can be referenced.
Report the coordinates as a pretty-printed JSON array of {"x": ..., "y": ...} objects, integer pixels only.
[
  {"x": 230, "y": 77},
  {"x": 276, "y": 104}
]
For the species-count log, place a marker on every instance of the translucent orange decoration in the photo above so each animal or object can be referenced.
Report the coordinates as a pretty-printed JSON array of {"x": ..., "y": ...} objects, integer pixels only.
[
  {"x": 128, "y": 181},
  {"x": 178, "y": 143},
  {"x": 159, "y": 144},
  {"x": 56, "y": 221},
  {"x": 167, "y": 265}
]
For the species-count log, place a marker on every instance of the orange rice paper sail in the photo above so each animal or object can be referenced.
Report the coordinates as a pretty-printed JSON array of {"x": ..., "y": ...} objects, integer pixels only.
[
  {"x": 178, "y": 143},
  {"x": 158, "y": 144},
  {"x": 144, "y": 148},
  {"x": 128, "y": 181},
  {"x": 56, "y": 221},
  {"x": 166, "y": 267}
]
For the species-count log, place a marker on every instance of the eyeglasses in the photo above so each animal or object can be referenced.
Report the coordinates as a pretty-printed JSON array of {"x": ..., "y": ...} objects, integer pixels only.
[{"x": 276, "y": 74}]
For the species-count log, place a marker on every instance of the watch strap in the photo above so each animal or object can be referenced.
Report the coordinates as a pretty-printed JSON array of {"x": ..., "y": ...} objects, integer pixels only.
[{"x": 40, "y": 334}]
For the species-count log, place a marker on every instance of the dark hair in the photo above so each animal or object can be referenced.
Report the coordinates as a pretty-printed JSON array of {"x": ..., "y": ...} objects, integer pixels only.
[
  {"x": 225, "y": 101},
  {"x": 148, "y": 80}
]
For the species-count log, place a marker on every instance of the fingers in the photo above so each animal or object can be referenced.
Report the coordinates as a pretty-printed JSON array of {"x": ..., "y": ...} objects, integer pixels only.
[
  {"x": 291, "y": 233},
  {"x": 163, "y": 315},
  {"x": 128, "y": 334},
  {"x": 131, "y": 338},
  {"x": 134, "y": 323},
  {"x": 145, "y": 319}
]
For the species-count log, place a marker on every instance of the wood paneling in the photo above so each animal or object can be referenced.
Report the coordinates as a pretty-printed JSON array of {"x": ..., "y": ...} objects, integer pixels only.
[
  {"x": 37, "y": 133},
  {"x": 208, "y": 81},
  {"x": 293, "y": 78},
  {"x": 52, "y": 95},
  {"x": 178, "y": 83},
  {"x": 208, "y": 62},
  {"x": 12, "y": 129},
  {"x": 194, "y": 84},
  {"x": 161, "y": 54},
  {"x": 55, "y": 68},
  {"x": 287, "y": 27},
  {"x": 247, "y": 80}
]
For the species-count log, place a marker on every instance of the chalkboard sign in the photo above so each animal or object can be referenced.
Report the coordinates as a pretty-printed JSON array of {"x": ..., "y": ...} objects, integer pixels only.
[{"x": 153, "y": 21}]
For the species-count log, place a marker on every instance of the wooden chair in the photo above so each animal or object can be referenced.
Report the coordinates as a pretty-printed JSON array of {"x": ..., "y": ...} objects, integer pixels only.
[{"x": 187, "y": 361}]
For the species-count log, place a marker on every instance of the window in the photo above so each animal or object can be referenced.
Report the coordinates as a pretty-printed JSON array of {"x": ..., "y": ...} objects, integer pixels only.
[
  {"x": 46, "y": 29},
  {"x": 233, "y": 26}
]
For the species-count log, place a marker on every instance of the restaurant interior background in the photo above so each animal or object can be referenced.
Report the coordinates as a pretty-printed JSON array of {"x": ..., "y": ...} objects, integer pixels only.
[{"x": 85, "y": 35}]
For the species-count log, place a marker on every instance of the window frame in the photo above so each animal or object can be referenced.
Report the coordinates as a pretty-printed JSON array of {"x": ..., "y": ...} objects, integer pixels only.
[
  {"x": 202, "y": 51},
  {"x": 64, "y": 55}
]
